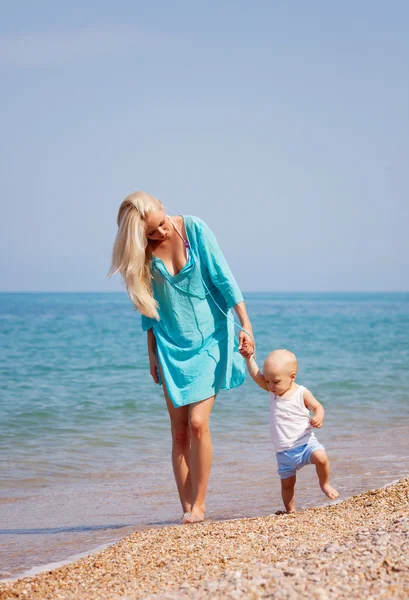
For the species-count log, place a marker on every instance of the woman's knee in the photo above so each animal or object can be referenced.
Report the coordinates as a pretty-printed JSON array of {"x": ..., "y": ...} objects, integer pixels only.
[
  {"x": 198, "y": 427},
  {"x": 180, "y": 433}
]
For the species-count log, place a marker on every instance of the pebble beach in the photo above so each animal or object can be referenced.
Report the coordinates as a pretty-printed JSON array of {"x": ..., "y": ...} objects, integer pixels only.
[{"x": 358, "y": 548}]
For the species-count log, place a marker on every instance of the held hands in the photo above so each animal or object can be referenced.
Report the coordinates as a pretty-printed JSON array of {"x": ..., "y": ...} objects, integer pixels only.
[
  {"x": 153, "y": 367},
  {"x": 246, "y": 345}
]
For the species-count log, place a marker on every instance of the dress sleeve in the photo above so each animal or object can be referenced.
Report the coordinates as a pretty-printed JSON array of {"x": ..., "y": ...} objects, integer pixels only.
[
  {"x": 147, "y": 322},
  {"x": 217, "y": 266}
]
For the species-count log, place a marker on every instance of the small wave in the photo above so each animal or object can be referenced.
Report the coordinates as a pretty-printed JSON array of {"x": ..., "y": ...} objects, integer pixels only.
[
  {"x": 54, "y": 565},
  {"x": 56, "y": 530}
]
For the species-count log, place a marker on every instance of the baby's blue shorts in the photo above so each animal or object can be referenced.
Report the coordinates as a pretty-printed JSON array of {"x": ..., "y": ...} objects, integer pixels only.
[{"x": 290, "y": 461}]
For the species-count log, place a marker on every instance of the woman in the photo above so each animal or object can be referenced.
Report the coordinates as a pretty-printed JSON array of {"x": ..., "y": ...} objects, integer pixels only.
[{"x": 177, "y": 277}]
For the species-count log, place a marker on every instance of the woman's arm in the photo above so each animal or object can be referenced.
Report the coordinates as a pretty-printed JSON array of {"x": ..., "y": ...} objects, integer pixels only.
[
  {"x": 147, "y": 325},
  {"x": 224, "y": 280},
  {"x": 216, "y": 265},
  {"x": 153, "y": 365},
  {"x": 246, "y": 341}
]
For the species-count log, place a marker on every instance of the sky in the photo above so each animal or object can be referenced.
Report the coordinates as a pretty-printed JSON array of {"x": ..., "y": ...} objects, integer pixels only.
[{"x": 285, "y": 125}]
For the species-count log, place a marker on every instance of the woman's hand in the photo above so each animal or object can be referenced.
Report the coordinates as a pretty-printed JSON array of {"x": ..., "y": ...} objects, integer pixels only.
[
  {"x": 246, "y": 344},
  {"x": 153, "y": 367}
]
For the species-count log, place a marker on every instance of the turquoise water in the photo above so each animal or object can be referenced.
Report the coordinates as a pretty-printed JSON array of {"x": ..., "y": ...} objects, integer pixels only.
[{"x": 84, "y": 446}]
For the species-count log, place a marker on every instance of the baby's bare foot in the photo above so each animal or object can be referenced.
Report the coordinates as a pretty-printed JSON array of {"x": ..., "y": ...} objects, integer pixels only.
[
  {"x": 329, "y": 491},
  {"x": 285, "y": 512}
]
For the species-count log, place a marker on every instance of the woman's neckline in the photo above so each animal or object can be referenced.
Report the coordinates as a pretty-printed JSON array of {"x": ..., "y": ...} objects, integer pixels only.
[{"x": 187, "y": 254}]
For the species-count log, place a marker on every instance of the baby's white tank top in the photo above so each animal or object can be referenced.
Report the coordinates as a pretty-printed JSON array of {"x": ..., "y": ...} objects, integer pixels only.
[{"x": 289, "y": 421}]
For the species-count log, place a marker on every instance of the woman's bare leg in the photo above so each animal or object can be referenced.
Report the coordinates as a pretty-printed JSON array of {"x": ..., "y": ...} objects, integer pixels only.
[
  {"x": 179, "y": 419},
  {"x": 200, "y": 455}
]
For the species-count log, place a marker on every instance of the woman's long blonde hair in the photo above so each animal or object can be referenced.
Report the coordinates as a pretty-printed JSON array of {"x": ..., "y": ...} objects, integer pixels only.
[{"x": 131, "y": 256}]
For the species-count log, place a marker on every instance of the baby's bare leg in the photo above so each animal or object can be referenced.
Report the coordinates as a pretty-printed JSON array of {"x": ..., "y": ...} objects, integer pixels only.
[
  {"x": 287, "y": 492},
  {"x": 319, "y": 458}
]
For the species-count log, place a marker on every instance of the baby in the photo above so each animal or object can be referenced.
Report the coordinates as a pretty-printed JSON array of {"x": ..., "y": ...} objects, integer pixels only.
[{"x": 291, "y": 426}]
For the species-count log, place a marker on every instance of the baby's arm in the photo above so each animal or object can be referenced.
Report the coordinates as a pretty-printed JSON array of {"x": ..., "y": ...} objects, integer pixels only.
[
  {"x": 255, "y": 372},
  {"x": 313, "y": 404}
]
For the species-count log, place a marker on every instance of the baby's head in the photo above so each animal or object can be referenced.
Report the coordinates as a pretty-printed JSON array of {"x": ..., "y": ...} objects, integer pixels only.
[{"x": 280, "y": 371}]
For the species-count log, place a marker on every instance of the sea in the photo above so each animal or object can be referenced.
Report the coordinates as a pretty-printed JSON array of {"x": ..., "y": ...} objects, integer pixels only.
[{"x": 85, "y": 440}]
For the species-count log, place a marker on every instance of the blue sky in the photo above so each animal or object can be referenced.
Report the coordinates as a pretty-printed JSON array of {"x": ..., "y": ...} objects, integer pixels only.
[{"x": 284, "y": 125}]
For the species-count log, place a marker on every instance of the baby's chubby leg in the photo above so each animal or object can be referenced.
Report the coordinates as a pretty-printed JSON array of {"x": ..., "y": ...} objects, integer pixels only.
[
  {"x": 319, "y": 458},
  {"x": 287, "y": 493}
]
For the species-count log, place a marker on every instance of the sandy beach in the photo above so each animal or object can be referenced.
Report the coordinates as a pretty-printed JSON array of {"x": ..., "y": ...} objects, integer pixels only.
[{"x": 356, "y": 548}]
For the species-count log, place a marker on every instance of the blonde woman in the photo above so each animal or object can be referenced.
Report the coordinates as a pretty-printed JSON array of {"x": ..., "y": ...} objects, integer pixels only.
[{"x": 178, "y": 278}]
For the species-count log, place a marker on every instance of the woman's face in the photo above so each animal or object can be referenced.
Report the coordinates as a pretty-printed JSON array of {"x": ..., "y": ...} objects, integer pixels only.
[{"x": 157, "y": 226}]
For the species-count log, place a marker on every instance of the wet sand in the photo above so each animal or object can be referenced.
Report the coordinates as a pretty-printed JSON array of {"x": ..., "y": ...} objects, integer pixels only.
[{"x": 357, "y": 548}]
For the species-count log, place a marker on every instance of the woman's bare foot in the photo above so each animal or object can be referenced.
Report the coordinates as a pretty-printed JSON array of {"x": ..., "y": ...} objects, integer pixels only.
[
  {"x": 329, "y": 491},
  {"x": 196, "y": 515},
  {"x": 192, "y": 518}
]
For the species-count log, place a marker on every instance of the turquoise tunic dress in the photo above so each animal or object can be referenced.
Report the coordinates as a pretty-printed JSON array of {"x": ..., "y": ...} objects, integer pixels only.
[{"x": 196, "y": 345}]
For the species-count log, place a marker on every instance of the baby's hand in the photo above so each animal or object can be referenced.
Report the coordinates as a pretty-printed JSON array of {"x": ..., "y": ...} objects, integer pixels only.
[
  {"x": 246, "y": 350},
  {"x": 316, "y": 421}
]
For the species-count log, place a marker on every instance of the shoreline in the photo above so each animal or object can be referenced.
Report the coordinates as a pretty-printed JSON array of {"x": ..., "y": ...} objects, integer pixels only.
[
  {"x": 250, "y": 555},
  {"x": 41, "y": 568}
]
